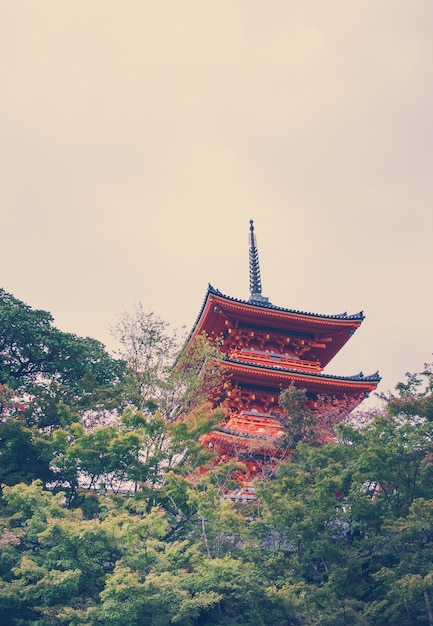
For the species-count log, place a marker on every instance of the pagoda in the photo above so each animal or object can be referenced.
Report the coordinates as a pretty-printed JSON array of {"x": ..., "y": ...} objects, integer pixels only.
[{"x": 265, "y": 349}]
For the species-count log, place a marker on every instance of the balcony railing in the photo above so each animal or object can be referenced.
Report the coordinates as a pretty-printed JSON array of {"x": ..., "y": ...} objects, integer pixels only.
[{"x": 269, "y": 358}]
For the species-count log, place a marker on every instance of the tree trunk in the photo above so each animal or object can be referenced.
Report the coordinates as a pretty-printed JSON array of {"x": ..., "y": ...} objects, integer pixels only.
[{"x": 429, "y": 607}]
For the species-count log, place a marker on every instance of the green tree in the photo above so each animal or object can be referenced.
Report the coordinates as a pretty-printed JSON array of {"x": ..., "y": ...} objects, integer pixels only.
[
  {"x": 24, "y": 453},
  {"x": 48, "y": 380},
  {"x": 32, "y": 348},
  {"x": 56, "y": 560},
  {"x": 165, "y": 376},
  {"x": 298, "y": 420},
  {"x": 344, "y": 530},
  {"x": 415, "y": 395}
]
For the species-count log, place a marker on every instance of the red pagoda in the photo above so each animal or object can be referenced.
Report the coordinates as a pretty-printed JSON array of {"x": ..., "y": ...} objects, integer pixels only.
[{"x": 265, "y": 349}]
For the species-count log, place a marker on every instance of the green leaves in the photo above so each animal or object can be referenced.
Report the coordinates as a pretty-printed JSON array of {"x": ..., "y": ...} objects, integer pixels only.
[
  {"x": 393, "y": 460},
  {"x": 25, "y": 453},
  {"x": 342, "y": 534},
  {"x": 31, "y": 349},
  {"x": 298, "y": 420}
]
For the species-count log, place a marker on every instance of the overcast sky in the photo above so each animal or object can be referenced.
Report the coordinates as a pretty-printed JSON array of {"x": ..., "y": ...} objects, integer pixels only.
[{"x": 138, "y": 138}]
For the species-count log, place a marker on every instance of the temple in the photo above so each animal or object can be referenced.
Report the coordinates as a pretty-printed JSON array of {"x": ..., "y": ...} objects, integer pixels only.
[{"x": 265, "y": 349}]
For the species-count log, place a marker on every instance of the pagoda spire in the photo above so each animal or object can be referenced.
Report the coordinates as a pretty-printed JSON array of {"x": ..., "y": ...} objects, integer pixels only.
[{"x": 255, "y": 280}]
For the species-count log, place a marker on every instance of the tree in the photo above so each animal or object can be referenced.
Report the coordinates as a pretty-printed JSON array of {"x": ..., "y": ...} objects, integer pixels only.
[
  {"x": 25, "y": 453},
  {"x": 32, "y": 348},
  {"x": 312, "y": 425},
  {"x": 415, "y": 395},
  {"x": 118, "y": 568},
  {"x": 344, "y": 529},
  {"x": 48, "y": 380},
  {"x": 298, "y": 419},
  {"x": 47, "y": 366},
  {"x": 149, "y": 350},
  {"x": 56, "y": 560},
  {"x": 162, "y": 374}
]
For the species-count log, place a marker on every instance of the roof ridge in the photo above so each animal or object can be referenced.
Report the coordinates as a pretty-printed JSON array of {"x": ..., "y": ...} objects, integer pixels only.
[{"x": 268, "y": 305}]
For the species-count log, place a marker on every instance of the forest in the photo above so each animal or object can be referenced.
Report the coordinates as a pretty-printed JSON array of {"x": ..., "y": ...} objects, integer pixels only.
[{"x": 112, "y": 513}]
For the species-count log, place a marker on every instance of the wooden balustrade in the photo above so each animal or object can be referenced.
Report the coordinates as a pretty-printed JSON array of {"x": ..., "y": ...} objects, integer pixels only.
[{"x": 268, "y": 358}]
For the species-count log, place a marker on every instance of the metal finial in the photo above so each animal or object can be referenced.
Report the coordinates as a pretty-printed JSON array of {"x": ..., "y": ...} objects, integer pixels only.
[{"x": 255, "y": 280}]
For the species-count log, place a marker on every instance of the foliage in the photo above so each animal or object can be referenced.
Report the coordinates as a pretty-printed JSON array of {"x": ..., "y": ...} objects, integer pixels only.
[
  {"x": 316, "y": 424},
  {"x": 138, "y": 451},
  {"x": 346, "y": 528},
  {"x": 56, "y": 418},
  {"x": 35, "y": 353},
  {"x": 116, "y": 569},
  {"x": 149, "y": 350},
  {"x": 48, "y": 380},
  {"x": 162, "y": 375},
  {"x": 415, "y": 395},
  {"x": 298, "y": 419},
  {"x": 341, "y": 534}
]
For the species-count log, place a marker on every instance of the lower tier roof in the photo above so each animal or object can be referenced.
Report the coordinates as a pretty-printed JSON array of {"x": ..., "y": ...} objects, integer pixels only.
[{"x": 315, "y": 382}]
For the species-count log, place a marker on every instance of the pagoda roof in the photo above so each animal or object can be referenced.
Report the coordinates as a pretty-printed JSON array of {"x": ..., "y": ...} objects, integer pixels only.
[
  {"x": 268, "y": 305},
  {"x": 262, "y": 313},
  {"x": 315, "y": 382}
]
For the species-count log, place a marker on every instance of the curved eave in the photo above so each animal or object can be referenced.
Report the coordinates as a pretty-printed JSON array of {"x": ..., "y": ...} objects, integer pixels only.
[
  {"x": 217, "y": 308},
  {"x": 318, "y": 383}
]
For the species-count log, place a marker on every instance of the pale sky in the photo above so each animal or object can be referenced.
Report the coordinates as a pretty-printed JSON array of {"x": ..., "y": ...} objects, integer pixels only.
[{"x": 138, "y": 138}]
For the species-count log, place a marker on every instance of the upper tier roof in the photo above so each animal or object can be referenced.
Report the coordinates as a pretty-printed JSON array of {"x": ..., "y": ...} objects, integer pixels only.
[
  {"x": 267, "y": 305},
  {"x": 217, "y": 308}
]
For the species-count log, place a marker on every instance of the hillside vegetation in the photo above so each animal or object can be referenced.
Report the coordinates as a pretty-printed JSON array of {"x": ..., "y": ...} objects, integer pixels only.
[{"x": 106, "y": 519}]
